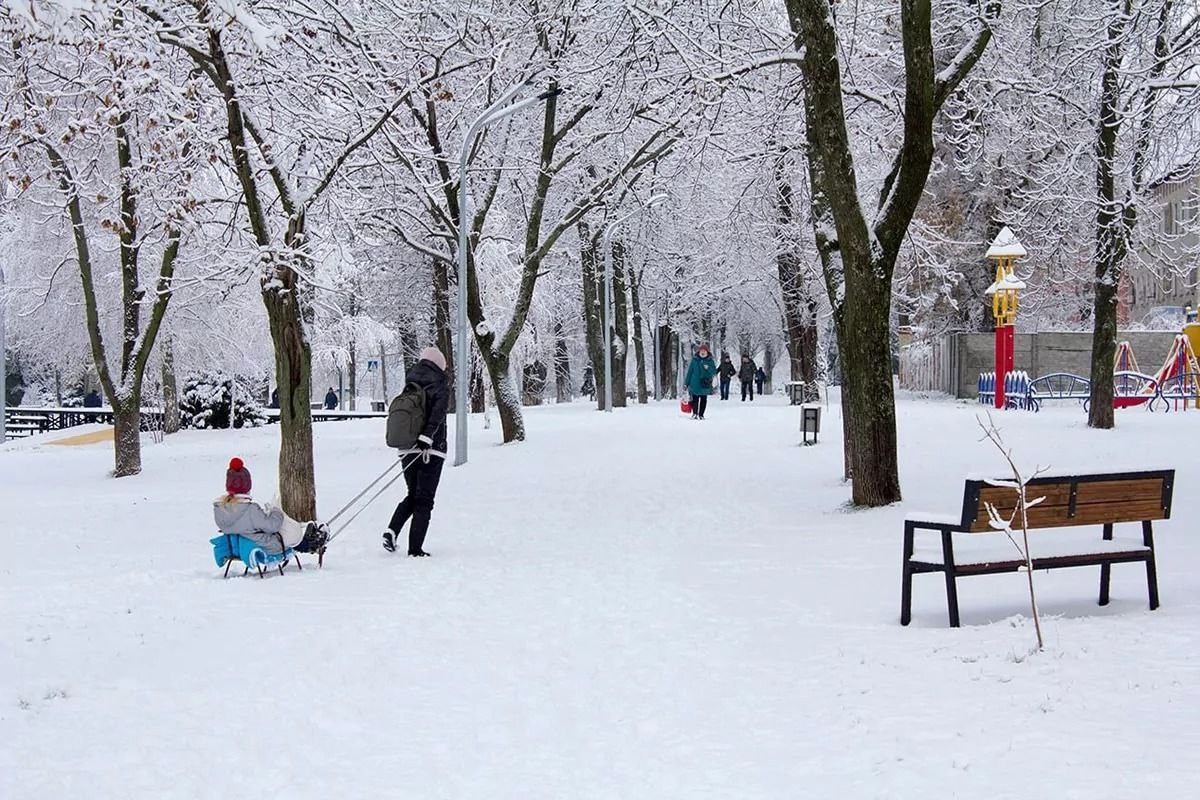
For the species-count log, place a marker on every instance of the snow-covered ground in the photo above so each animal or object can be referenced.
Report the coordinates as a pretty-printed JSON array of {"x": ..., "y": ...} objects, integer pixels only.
[{"x": 626, "y": 606}]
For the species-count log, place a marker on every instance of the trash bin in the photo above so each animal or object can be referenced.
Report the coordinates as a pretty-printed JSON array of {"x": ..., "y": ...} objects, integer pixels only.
[{"x": 810, "y": 423}]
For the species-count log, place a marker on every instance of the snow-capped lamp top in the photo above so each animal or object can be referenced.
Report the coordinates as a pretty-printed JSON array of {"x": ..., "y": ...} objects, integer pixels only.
[
  {"x": 1006, "y": 245},
  {"x": 1008, "y": 282}
]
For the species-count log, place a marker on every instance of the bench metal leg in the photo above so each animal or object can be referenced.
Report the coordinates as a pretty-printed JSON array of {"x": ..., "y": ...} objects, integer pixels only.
[
  {"x": 951, "y": 586},
  {"x": 906, "y": 576},
  {"x": 1105, "y": 569},
  {"x": 228, "y": 564},
  {"x": 298, "y": 565},
  {"x": 1151, "y": 570}
]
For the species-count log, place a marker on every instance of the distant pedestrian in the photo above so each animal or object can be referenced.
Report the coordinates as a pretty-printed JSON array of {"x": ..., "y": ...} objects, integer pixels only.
[
  {"x": 760, "y": 378},
  {"x": 589, "y": 383},
  {"x": 700, "y": 374},
  {"x": 746, "y": 374},
  {"x": 424, "y": 469},
  {"x": 92, "y": 400},
  {"x": 727, "y": 370},
  {"x": 331, "y": 399},
  {"x": 275, "y": 397}
]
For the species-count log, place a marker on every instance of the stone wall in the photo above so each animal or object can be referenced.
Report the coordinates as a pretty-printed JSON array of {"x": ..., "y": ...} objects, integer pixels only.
[{"x": 1043, "y": 353}]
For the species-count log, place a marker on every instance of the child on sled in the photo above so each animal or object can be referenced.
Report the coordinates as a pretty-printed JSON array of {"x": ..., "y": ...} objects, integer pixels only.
[{"x": 236, "y": 512}]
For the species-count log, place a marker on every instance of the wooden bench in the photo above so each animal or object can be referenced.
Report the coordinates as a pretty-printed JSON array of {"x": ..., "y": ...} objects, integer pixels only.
[{"x": 1070, "y": 500}]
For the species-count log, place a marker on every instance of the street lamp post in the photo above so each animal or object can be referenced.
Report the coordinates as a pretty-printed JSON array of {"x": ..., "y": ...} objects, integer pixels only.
[
  {"x": 496, "y": 111},
  {"x": 608, "y": 298}
]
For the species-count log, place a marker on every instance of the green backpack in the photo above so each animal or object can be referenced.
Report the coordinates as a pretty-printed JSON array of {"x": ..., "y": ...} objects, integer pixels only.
[{"x": 406, "y": 417}]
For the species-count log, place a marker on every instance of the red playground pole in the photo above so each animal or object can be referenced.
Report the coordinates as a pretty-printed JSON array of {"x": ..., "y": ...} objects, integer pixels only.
[{"x": 1004, "y": 359}]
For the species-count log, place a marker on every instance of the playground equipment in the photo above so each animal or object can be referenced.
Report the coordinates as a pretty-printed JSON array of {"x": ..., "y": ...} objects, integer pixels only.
[
  {"x": 1178, "y": 382},
  {"x": 1176, "y": 385}
]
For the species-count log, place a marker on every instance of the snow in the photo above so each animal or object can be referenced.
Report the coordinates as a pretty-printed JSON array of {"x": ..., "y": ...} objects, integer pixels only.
[
  {"x": 1005, "y": 245},
  {"x": 627, "y": 605}
]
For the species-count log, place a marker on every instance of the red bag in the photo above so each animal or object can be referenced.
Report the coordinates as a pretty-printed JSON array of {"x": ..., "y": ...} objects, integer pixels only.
[{"x": 685, "y": 406}]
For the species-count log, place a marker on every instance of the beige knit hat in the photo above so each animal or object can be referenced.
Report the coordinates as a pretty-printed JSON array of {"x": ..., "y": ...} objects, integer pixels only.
[{"x": 434, "y": 356}]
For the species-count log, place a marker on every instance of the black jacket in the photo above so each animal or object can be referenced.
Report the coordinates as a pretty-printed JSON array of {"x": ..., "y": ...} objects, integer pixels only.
[
  {"x": 746, "y": 373},
  {"x": 432, "y": 379}
]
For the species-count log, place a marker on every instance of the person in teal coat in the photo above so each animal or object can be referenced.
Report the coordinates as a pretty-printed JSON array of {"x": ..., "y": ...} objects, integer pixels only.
[{"x": 700, "y": 374}]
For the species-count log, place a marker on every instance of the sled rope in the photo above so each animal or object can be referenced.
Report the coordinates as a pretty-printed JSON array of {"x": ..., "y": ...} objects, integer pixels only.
[{"x": 413, "y": 456}]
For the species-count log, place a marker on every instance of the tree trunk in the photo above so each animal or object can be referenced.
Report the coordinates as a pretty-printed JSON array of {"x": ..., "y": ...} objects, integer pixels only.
[
  {"x": 508, "y": 400},
  {"x": 293, "y": 376},
  {"x": 858, "y": 255},
  {"x": 668, "y": 346},
  {"x": 562, "y": 365},
  {"x": 170, "y": 389},
  {"x": 639, "y": 347},
  {"x": 441, "y": 323},
  {"x": 592, "y": 311},
  {"x": 127, "y": 437},
  {"x": 478, "y": 393},
  {"x": 383, "y": 380},
  {"x": 867, "y": 390},
  {"x": 353, "y": 371},
  {"x": 620, "y": 354}
]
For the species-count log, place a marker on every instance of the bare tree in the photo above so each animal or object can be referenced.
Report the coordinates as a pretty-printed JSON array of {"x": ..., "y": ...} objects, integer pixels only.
[{"x": 859, "y": 255}]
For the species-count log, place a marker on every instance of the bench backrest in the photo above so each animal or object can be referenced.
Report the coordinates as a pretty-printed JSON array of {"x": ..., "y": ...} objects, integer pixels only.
[
  {"x": 1060, "y": 385},
  {"x": 1074, "y": 500}
]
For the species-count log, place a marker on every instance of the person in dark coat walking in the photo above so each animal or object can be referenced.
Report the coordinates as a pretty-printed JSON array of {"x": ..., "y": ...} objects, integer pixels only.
[
  {"x": 331, "y": 400},
  {"x": 746, "y": 374},
  {"x": 700, "y": 374},
  {"x": 760, "y": 378},
  {"x": 92, "y": 400},
  {"x": 424, "y": 470},
  {"x": 727, "y": 370}
]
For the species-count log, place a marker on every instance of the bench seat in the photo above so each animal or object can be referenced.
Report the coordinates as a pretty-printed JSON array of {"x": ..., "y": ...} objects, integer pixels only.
[{"x": 972, "y": 549}]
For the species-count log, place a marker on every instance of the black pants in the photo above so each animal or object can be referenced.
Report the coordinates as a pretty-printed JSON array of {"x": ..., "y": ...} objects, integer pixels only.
[
  {"x": 422, "y": 480},
  {"x": 759, "y": 383},
  {"x": 747, "y": 388},
  {"x": 699, "y": 404}
]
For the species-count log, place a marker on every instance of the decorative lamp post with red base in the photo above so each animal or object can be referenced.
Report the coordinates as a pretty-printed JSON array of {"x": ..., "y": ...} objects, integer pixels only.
[{"x": 1005, "y": 291}]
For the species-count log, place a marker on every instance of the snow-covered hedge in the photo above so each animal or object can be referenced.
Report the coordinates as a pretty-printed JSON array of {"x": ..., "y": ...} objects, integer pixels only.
[{"x": 204, "y": 402}]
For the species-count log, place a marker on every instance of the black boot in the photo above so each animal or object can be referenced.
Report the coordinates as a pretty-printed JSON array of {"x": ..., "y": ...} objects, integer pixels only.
[{"x": 416, "y": 533}]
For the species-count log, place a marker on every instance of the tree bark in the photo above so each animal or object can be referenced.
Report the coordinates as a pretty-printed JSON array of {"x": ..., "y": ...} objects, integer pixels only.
[
  {"x": 478, "y": 394},
  {"x": 352, "y": 370},
  {"x": 441, "y": 323},
  {"x": 592, "y": 310},
  {"x": 127, "y": 437},
  {"x": 639, "y": 347},
  {"x": 170, "y": 384},
  {"x": 668, "y": 348},
  {"x": 620, "y": 354},
  {"x": 562, "y": 364}
]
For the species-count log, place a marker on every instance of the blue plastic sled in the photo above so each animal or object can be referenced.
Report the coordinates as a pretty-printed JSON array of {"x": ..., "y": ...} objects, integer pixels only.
[{"x": 230, "y": 547}]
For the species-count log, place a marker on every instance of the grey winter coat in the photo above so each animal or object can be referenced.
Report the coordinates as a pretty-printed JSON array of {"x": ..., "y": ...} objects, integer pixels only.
[
  {"x": 746, "y": 373},
  {"x": 243, "y": 516}
]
